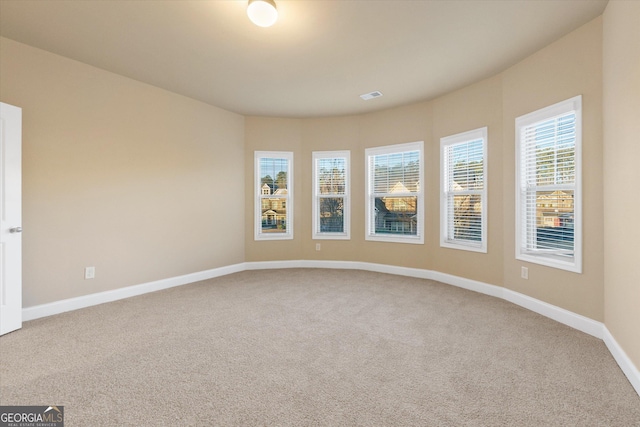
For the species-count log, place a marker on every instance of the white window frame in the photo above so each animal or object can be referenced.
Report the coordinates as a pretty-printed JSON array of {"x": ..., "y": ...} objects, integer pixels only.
[
  {"x": 258, "y": 196},
  {"x": 370, "y": 196},
  {"x": 346, "y": 210},
  {"x": 447, "y": 240},
  {"x": 547, "y": 258}
]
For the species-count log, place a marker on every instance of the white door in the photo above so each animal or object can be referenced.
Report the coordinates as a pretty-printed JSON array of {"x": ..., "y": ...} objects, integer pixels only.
[{"x": 10, "y": 218}]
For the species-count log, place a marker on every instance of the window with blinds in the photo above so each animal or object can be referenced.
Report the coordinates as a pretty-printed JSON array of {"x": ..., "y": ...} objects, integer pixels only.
[
  {"x": 395, "y": 198},
  {"x": 549, "y": 186},
  {"x": 273, "y": 195},
  {"x": 331, "y": 195},
  {"x": 463, "y": 199}
]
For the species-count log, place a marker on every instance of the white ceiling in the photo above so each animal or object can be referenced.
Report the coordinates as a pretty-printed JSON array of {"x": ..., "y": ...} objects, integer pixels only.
[{"x": 315, "y": 61}]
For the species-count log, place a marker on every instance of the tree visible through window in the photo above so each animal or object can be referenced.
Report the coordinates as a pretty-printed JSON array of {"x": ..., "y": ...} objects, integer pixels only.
[
  {"x": 331, "y": 195},
  {"x": 395, "y": 196},
  {"x": 549, "y": 143},
  {"x": 273, "y": 192},
  {"x": 463, "y": 197}
]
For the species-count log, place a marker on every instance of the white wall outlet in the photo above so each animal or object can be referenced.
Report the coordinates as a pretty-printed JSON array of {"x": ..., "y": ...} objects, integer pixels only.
[
  {"x": 318, "y": 246},
  {"x": 524, "y": 272},
  {"x": 89, "y": 272}
]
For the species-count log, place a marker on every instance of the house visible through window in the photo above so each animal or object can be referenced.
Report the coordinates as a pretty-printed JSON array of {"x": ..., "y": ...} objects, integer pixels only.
[
  {"x": 549, "y": 204},
  {"x": 463, "y": 201},
  {"x": 274, "y": 193},
  {"x": 395, "y": 199},
  {"x": 331, "y": 194}
]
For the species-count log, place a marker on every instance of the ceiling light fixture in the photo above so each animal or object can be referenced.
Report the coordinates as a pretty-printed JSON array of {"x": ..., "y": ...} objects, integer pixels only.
[{"x": 263, "y": 13}]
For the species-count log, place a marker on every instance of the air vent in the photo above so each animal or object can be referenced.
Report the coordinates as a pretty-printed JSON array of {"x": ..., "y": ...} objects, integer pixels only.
[{"x": 371, "y": 95}]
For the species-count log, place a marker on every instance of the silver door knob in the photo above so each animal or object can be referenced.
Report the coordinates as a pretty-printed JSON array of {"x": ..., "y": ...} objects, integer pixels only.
[{"x": 15, "y": 230}]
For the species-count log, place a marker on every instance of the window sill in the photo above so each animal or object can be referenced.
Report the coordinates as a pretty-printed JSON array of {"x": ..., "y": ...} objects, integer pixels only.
[
  {"x": 573, "y": 266},
  {"x": 396, "y": 239},
  {"x": 452, "y": 244},
  {"x": 331, "y": 236},
  {"x": 273, "y": 236}
]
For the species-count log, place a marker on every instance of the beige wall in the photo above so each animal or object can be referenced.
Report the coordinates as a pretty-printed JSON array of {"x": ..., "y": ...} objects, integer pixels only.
[
  {"x": 129, "y": 178},
  {"x": 262, "y": 134},
  {"x": 119, "y": 175},
  {"x": 356, "y": 133},
  {"x": 621, "y": 174},
  {"x": 467, "y": 109},
  {"x": 569, "y": 67}
]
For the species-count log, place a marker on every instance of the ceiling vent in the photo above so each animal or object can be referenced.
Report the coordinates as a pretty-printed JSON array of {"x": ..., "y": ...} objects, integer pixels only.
[{"x": 371, "y": 95}]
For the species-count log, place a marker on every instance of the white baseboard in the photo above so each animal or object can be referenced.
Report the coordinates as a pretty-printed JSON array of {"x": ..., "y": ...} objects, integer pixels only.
[
  {"x": 576, "y": 321},
  {"x": 558, "y": 314},
  {"x": 627, "y": 366},
  {"x": 271, "y": 265},
  {"x": 569, "y": 318},
  {"x": 57, "y": 307}
]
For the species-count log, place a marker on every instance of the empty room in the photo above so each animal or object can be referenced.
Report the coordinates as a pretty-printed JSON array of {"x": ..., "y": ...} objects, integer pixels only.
[{"x": 319, "y": 213}]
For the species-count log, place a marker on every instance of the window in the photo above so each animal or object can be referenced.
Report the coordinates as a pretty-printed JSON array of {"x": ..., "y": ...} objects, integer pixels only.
[
  {"x": 395, "y": 198},
  {"x": 463, "y": 198},
  {"x": 274, "y": 194},
  {"x": 331, "y": 194},
  {"x": 548, "y": 198}
]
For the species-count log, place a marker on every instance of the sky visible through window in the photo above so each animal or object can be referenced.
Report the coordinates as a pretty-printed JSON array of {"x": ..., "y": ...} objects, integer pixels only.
[
  {"x": 273, "y": 172},
  {"x": 549, "y": 181},
  {"x": 331, "y": 190},
  {"x": 396, "y": 180},
  {"x": 274, "y": 194},
  {"x": 464, "y": 199}
]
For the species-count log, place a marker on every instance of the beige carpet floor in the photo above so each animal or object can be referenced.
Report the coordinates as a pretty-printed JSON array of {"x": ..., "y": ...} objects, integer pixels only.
[{"x": 307, "y": 347}]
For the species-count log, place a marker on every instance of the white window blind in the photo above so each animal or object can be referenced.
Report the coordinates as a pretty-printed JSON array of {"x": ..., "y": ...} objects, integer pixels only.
[
  {"x": 331, "y": 194},
  {"x": 394, "y": 193},
  {"x": 274, "y": 195},
  {"x": 549, "y": 186},
  {"x": 463, "y": 197}
]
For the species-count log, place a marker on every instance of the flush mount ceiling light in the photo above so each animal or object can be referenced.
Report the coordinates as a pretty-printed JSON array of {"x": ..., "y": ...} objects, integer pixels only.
[{"x": 263, "y": 13}]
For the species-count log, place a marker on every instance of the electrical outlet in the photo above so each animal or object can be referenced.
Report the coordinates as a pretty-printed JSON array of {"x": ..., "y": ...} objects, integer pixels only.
[
  {"x": 524, "y": 272},
  {"x": 317, "y": 246},
  {"x": 89, "y": 272}
]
